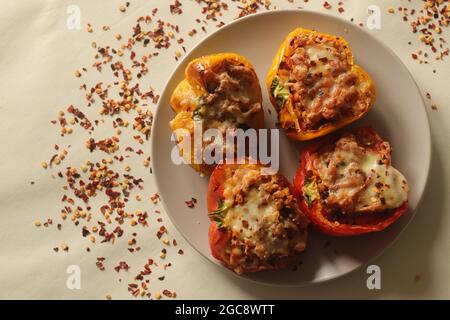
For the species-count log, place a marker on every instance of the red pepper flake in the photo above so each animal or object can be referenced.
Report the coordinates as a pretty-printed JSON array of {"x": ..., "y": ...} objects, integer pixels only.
[
  {"x": 191, "y": 203},
  {"x": 155, "y": 198},
  {"x": 212, "y": 8},
  {"x": 119, "y": 231},
  {"x": 176, "y": 7},
  {"x": 85, "y": 232},
  {"x": 161, "y": 231},
  {"x": 109, "y": 145},
  {"x": 122, "y": 266},
  {"x": 430, "y": 20},
  {"x": 327, "y": 5},
  {"x": 100, "y": 265},
  {"x": 168, "y": 293},
  {"x": 250, "y": 8}
]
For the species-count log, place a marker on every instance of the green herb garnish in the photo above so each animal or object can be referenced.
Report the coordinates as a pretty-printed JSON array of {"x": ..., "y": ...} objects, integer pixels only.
[
  {"x": 310, "y": 191},
  {"x": 279, "y": 92},
  {"x": 199, "y": 113},
  {"x": 219, "y": 214}
]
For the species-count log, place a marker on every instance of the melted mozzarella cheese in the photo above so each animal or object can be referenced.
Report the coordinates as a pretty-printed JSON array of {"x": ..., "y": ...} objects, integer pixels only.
[
  {"x": 250, "y": 212},
  {"x": 318, "y": 52},
  {"x": 315, "y": 53},
  {"x": 252, "y": 221},
  {"x": 382, "y": 187},
  {"x": 385, "y": 182}
]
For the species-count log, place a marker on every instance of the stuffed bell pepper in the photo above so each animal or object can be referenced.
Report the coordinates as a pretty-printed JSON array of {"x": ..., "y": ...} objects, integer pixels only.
[
  {"x": 256, "y": 222},
  {"x": 220, "y": 91},
  {"x": 315, "y": 86},
  {"x": 347, "y": 185}
]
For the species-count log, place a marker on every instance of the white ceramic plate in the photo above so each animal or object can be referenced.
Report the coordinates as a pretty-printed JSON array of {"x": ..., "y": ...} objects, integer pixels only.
[{"x": 398, "y": 115}]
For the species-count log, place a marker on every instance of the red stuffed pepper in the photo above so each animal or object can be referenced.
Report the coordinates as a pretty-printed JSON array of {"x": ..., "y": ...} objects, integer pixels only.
[
  {"x": 347, "y": 186},
  {"x": 256, "y": 223}
]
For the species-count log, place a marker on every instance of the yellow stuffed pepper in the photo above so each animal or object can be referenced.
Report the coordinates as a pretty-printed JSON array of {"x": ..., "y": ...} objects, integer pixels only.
[
  {"x": 220, "y": 91},
  {"x": 315, "y": 86}
]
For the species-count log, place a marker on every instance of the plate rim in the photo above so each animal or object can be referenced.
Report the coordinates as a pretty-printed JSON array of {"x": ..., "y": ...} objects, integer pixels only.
[{"x": 325, "y": 16}]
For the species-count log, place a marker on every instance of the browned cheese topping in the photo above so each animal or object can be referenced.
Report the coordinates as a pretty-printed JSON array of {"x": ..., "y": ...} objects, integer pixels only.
[{"x": 266, "y": 223}]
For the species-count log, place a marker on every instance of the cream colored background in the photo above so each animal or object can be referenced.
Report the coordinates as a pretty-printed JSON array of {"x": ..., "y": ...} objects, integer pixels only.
[{"x": 37, "y": 59}]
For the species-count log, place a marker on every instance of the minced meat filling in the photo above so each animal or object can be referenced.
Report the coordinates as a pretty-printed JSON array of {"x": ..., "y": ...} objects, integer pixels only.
[
  {"x": 353, "y": 178},
  {"x": 228, "y": 102},
  {"x": 321, "y": 82},
  {"x": 264, "y": 218}
]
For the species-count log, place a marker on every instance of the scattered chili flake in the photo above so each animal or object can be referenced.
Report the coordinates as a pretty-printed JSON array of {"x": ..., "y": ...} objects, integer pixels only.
[
  {"x": 161, "y": 231},
  {"x": 190, "y": 203},
  {"x": 99, "y": 264},
  {"x": 168, "y": 293},
  {"x": 175, "y": 8},
  {"x": 430, "y": 20},
  {"x": 122, "y": 266},
  {"x": 155, "y": 198},
  {"x": 109, "y": 145},
  {"x": 85, "y": 232}
]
